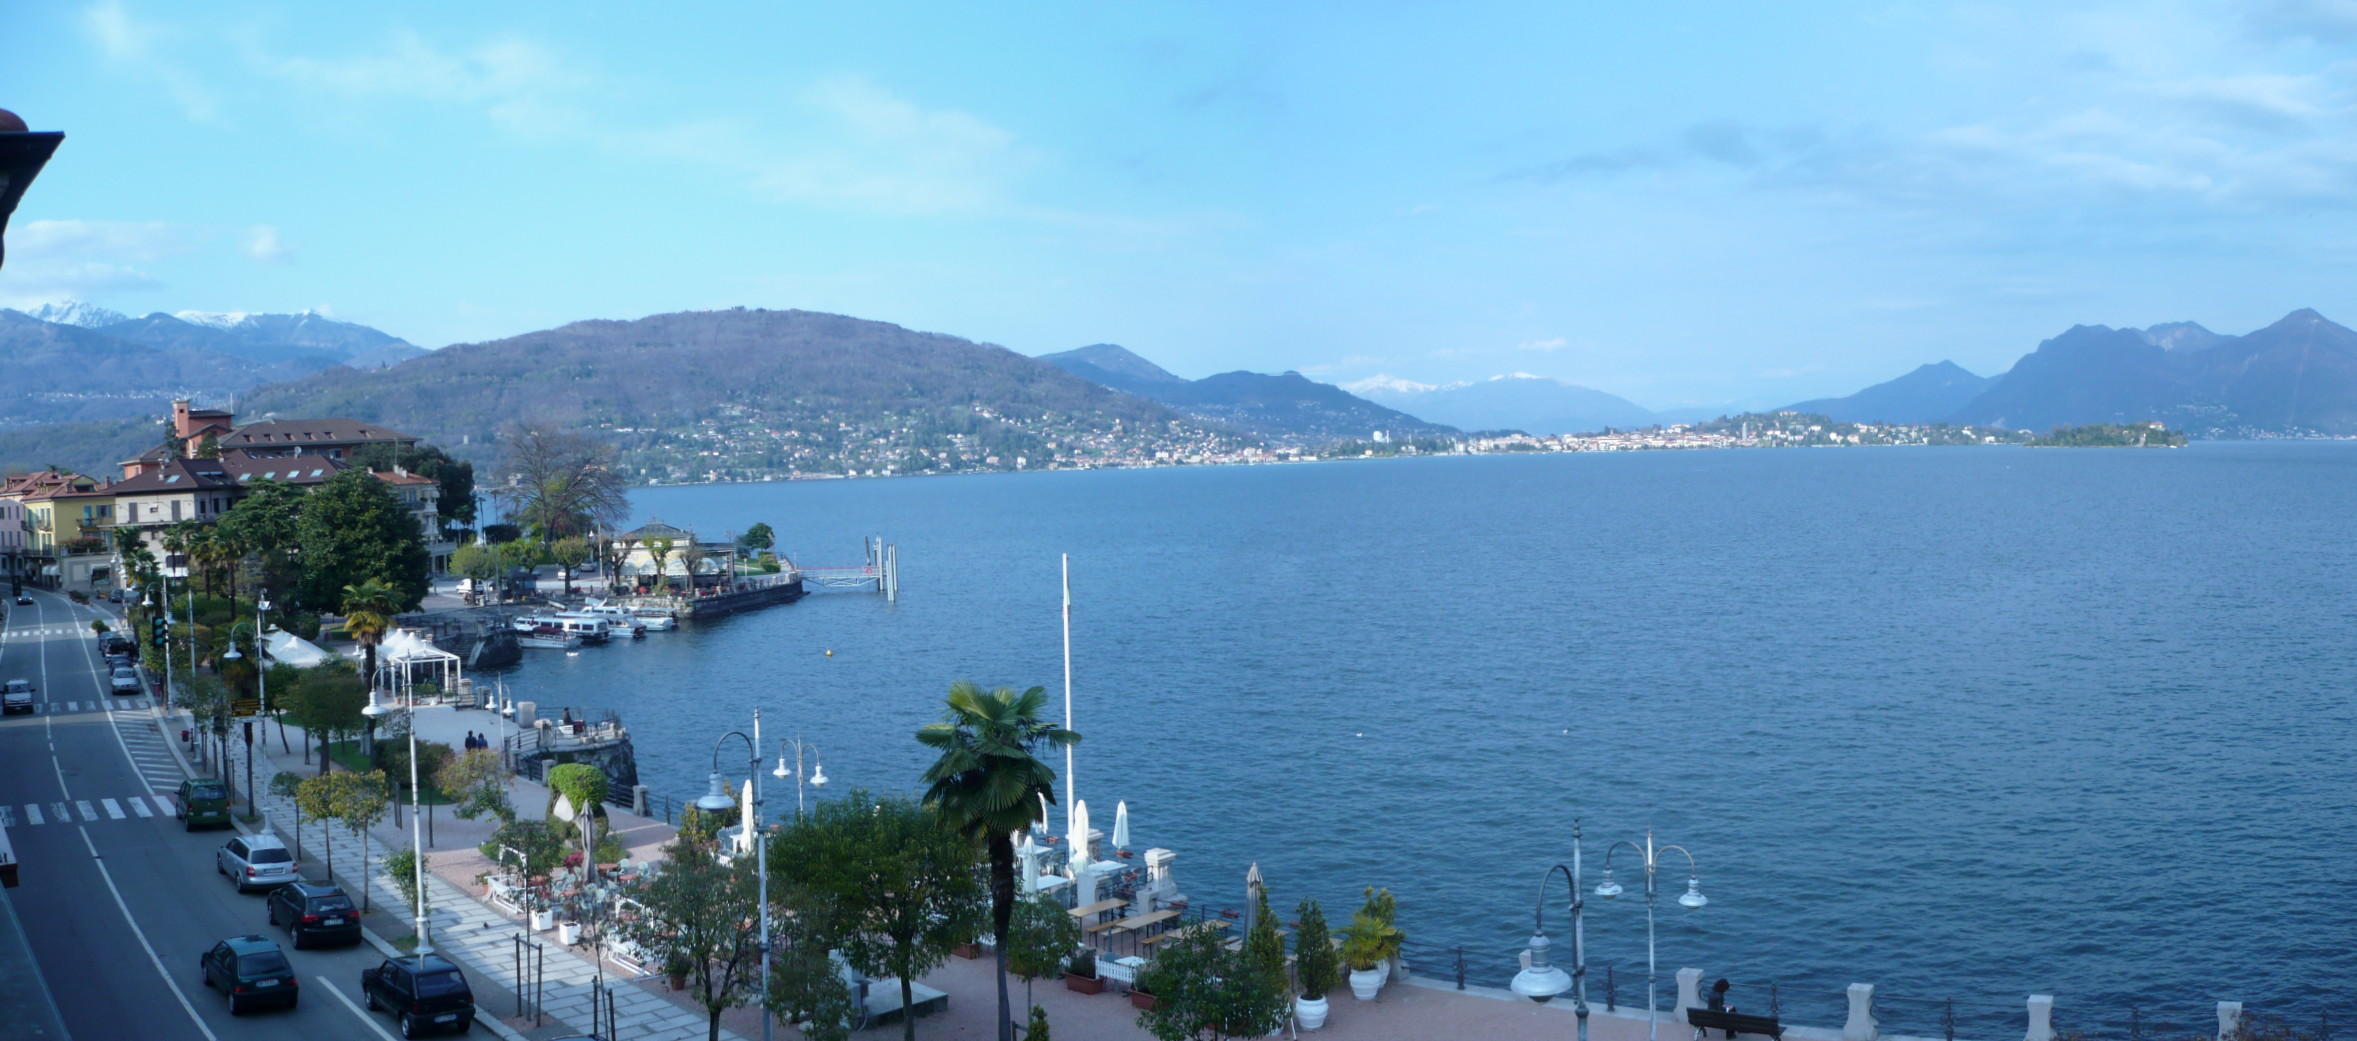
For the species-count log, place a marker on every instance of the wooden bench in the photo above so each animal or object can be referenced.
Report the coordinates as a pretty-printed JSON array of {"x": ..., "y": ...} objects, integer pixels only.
[
  {"x": 1210, "y": 926},
  {"x": 1733, "y": 1023}
]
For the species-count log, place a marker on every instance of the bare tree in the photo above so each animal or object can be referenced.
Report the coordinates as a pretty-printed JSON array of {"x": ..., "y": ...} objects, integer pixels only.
[{"x": 558, "y": 484}]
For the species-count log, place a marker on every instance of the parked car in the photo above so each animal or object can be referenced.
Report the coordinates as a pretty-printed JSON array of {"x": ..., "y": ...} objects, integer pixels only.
[
  {"x": 117, "y": 643},
  {"x": 315, "y": 913},
  {"x": 201, "y": 801},
  {"x": 125, "y": 681},
  {"x": 252, "y": 971},
  {"x": 16, "y": 697},
  {"x": 423, "y": 991},
  {"x": 256, "y": 862}
]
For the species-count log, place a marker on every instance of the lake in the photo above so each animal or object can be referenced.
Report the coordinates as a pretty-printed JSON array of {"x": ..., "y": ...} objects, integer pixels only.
[{"x": 1966, "y": 723}]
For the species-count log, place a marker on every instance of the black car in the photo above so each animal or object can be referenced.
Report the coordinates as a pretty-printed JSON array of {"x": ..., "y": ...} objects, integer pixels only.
[
  {"x": 252, "y": 971},
  {"x": 423, "y": 991},
  {"x": 314, "y": 913},
  {"x": 116, "y": 643},
  {"x": 24, "y": 601}
]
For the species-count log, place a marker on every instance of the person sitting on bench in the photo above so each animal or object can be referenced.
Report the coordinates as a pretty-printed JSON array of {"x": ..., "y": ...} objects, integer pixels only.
[{"x": 1718, "y": 1001}]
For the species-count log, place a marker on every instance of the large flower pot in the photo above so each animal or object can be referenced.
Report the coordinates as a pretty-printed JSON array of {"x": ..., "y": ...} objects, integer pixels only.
[
  {"x": 569, "y": 933},
  {"x": 1364, "y": 983},
  {"x": 967, "y": 950},
  {"x": 543, "y": 921},
  {"x": 1141, "y": 1000},
  {"x": 1084, "y": 984},
  {"x": 1310, "y": 1011}
]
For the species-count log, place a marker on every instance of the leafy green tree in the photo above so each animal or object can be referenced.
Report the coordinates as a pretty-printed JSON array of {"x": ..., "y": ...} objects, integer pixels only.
[
  {"x": 758, "y": 537},
  {"x": 358, "y": 801},
  {"x": 1264, "y": 949},
  {"x": 659, "y": 550},
  {"x": 477, "y": 781},
  {"x": 899, "y": 886},
  {"x": 400, "y": 868},
  {"x": 455, "y": 501},
  {"x": 1313, "y": 958},
  {"x": 327, "y": 704},
  {"x": 368, "y": 610},
  {"x": 568, "y": 554},
  {"x": 1205, "y": 992},
  {"x": 806, "y": 985},
  {"x": 988, "y": 783},
  {"x": 288, "y": 785},
  {"x": 1037, "y": 1030},
  {"x": 539, "y": 847},
  {"x": 1040, "y": 936},
  {"x": 702, "y": 913},
  {"x": 354, "y": 529},
  {"x": 315, "y": 797},
  {"x": 477, "y": 562}
]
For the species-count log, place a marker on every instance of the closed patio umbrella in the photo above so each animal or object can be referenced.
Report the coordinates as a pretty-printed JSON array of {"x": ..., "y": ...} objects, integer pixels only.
[
  {"x": 1079, "y": 838},
  {"x": 1121, "y": 825},
  {"x": 1252, "y": 886}
]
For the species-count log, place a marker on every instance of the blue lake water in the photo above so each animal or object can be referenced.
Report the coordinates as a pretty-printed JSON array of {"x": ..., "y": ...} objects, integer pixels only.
[{"x": 1964, "y": 723}]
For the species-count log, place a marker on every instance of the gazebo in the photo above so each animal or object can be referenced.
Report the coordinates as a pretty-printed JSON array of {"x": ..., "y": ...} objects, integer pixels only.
[
  {"x": 691, "y": 561},
  {"x": 406, "y": 657}
]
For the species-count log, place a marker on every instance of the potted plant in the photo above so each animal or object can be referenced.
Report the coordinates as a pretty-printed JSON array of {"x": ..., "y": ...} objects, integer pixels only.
[
  {"x": 676, "y": 966},
  {"x": 1315, "y": 963},
  {"x": 568, "y": 933},
  {"x": 1152, "y": 980},
  {"x": 968, "y": 950},
  {"x": 1370, "y": 943},
  {"x": 1080, "y": 974}
]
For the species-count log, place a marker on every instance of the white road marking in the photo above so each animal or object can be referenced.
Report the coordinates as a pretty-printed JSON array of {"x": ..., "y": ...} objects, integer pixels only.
[
  {"x": 113, "y": 812},
  {"x": 7, "y": 817},
  {"x": 163, "y": 804},
  {"x": 109, "y": 878},
  {"x": 33, "y": 813},
  {"x": 89, "y": 813},
  {"x": 59, "y": 811},
  {"x": 139, "y": 806},
  {"x": 355, "y": 1007}
]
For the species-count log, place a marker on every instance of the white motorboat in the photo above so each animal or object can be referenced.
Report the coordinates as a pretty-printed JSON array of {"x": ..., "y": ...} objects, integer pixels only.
[
  {"x": 656, "y": 619},
  {"x": 618, "y": 619},
  {"x": 547, "y": 638},
  {"x": 585, "y": 629}
]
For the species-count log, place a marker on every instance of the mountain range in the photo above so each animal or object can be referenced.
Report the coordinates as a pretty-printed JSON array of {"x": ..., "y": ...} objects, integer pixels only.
[
  {"x": 2297, "y": 376},
  {"x": 1519, "y": 401},
  {"x": 75, "y": 362},
  {"x": 1288, "y": 408}
]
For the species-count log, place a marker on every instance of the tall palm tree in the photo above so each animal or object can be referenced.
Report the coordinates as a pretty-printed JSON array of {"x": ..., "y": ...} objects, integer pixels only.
[
  {"x": 988, "y": 784},
  {"x": 368, "y": 615}
]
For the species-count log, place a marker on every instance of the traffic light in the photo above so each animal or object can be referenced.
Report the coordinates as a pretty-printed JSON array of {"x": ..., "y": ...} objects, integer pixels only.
[{"x": 161, "y": 628}]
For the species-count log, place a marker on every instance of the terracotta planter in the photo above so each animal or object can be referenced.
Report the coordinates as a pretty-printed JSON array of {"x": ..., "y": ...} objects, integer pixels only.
[
  {"x": 1311, "y": 1012},
  {"x": 1141, "y": 1000},
  {"x": 1084, "y": 984},
  {"x": 679, "y": 981},
  {"x": 967, "y": 950}
]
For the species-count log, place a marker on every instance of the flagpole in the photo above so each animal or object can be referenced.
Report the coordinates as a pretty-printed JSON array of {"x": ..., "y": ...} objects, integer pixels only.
[{"x": 1068, "y": 796}]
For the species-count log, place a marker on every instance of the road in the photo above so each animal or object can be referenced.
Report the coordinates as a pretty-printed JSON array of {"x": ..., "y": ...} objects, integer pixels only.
[{"x": 117, "y": 899}]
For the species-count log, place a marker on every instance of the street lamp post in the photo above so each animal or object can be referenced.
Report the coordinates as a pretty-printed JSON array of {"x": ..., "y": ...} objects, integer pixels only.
[
  {"x": 818, "y": 776},
  {"x": 1541, "y": 980},
  {"x": 717, "y": 801},
  {"x": 1692, "y": 898},
  {"x": 417, "y": 841}
]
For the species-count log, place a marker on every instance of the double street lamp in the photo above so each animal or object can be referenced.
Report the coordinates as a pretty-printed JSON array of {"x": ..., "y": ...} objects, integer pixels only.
[
  {"x": 717, "y": 801},
  {"x": 1542, "y": 981},
  {"x": 818, "y": 774},
  {"x": 417, "y": 841}
]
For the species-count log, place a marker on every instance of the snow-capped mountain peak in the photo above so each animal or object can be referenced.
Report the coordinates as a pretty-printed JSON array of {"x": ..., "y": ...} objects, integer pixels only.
[
  {"x": 75, "y": 312},
  {"x": 1385, "y": 382}
]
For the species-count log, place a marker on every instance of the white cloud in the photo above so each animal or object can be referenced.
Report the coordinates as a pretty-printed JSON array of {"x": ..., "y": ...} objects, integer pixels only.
[
  {"x": 132, "y": 43},
  {"x": 1550, "y": 345},
  {"x": 891, "y": 154},
  {"x": 262, "y": 243}
]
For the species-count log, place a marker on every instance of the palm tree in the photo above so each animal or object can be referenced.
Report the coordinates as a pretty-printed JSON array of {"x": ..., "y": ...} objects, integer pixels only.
[
  {"x": 368, "y": 616},
  {"x": 988, "y": 784}
]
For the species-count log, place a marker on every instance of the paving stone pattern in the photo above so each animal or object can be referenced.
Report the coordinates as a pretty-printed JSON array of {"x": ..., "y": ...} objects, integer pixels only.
[{"x": 482, "y": 940}]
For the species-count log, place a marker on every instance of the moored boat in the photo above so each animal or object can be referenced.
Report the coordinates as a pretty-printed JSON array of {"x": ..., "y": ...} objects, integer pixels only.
[{"x": 547, "y": 638}]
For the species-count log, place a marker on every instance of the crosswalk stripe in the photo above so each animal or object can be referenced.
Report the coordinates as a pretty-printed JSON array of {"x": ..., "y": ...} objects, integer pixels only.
[
  {"x": 139, "y": 806},
  {"x": 60, "y": 811},
  {"x": 89, "y": 813},
  {"x": 33, "y": 813},
  {"x": 163, "y": 804},
  {"x": 113, "y": 811},
  {"x": 7, "y": 817}
]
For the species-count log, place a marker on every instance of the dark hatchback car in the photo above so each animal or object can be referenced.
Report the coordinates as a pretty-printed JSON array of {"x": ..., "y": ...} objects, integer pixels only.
[
  {"x": 315, "y": 914},
  {"x": 423, "y": 991},
  {"x": 252, "y": 971}
]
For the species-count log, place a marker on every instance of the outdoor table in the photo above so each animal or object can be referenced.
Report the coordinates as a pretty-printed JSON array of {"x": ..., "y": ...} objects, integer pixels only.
[{"x": 1100, "y": 907}]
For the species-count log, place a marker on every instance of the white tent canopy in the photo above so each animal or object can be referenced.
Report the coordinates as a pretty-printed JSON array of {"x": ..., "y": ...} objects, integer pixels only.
[
  {"x": 406, "y": 658},
  {"x": 287, "y": 648}
]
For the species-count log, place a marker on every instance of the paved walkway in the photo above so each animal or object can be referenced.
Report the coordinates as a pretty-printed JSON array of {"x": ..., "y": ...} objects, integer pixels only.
[{"x": 478, "y": 937}]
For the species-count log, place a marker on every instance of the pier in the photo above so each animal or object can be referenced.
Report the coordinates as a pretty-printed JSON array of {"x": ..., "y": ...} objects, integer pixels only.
[{"x": 881, "y": 572}]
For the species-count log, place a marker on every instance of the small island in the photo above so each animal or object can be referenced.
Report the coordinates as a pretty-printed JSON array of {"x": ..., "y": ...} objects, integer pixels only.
[{"x": 2150, "y": 434}]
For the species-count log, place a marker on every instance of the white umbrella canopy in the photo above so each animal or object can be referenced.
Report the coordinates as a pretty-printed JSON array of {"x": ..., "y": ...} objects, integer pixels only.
[
  {"x": 1121, "y": 825},
  {"x": 745, "y": 837},
  {"x": 1040, "y": 826},
  {"x": 1252, "y": 885},
  {"x": 1079, "y": 837}
]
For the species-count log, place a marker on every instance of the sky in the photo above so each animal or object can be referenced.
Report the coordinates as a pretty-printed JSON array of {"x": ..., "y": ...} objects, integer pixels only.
[{"x": 1687, "y": 204}]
